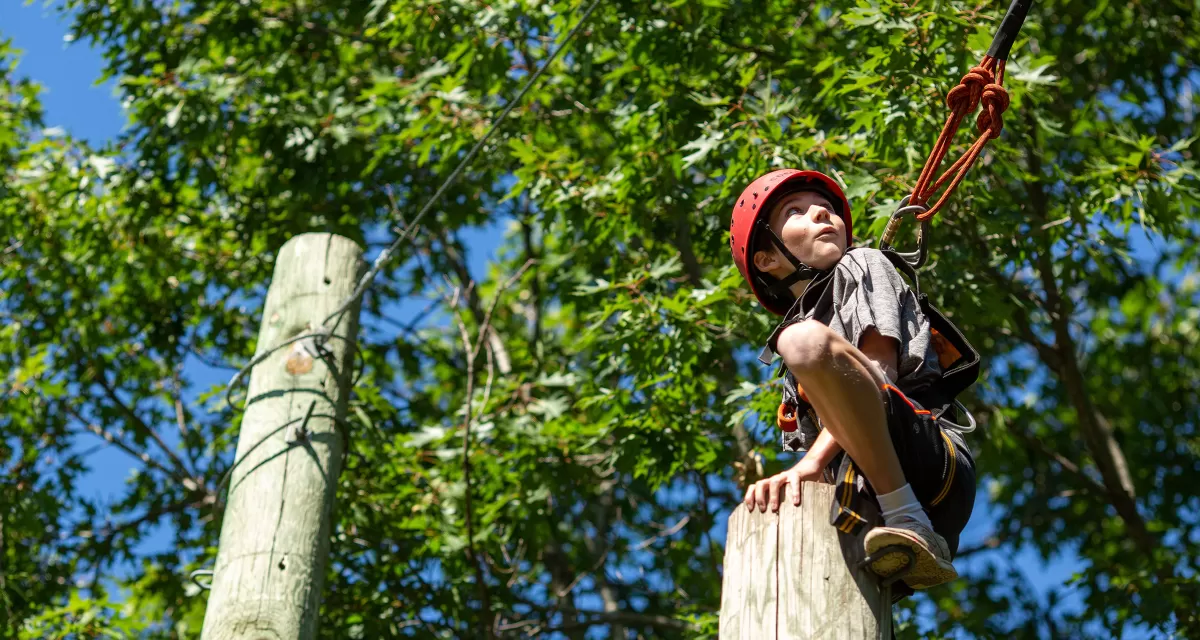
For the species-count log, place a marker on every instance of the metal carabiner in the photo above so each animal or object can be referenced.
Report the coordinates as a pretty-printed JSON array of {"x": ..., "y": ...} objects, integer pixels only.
[
  {"x": 915, "y": 258},
  {"x": 961, "y": 428}
]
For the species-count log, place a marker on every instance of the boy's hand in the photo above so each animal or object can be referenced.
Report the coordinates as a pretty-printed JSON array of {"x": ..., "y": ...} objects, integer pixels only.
[{"x": 769, "y": 491}]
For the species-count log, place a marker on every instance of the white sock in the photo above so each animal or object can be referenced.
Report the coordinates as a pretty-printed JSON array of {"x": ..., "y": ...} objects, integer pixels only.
[{"x": 902, "y": 503}]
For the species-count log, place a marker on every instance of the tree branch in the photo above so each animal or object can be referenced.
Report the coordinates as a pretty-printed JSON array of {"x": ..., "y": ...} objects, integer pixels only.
[
  {"x": 683, "y": 240},
  {"x": 665, "y": 534},
  {"x": 487, "y": 318},
  {"x": 8, "y": 621},
  {"x": 455, "y": 253},
  {"x": 472, "y": 556},
  {"x": 1035, "y": 442},
  {"x": 725, "y": 362},
  {"x": 592, "y": 618},
  {"x": 625, "y": 618},
  {"x": 598, "y": 546},
  {"x": 535, "y": 291},
  {"x": 1109, "y": 458},
  {"x": 297, "y": 21},
  {"x": 210, "y": 362},
  {"x": 180, "y": 412},
  {"x": 136, "y": 421},
  {"x": 472, "y": 353},
  {"x": 557, "y": 566},
  {"x": 1099, "y": 440},
  {"x": 989, "y": 544},
  {"x": 104, "y": 543},
  {"x": 111, "y": 439},
  {"x": 709, "y": 519}
]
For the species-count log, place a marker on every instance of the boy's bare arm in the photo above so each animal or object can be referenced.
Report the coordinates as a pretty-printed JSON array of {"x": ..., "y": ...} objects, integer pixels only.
[
  {"x": 883, "y": 352},
  {"x": 823, "y": 449}
]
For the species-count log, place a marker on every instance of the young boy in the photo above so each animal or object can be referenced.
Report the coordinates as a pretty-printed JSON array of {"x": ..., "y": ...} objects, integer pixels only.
[{"x": 861, "y": 368}]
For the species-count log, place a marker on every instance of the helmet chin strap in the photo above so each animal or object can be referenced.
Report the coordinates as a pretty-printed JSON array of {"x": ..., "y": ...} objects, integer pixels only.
[{"x": 802, "y": 271}]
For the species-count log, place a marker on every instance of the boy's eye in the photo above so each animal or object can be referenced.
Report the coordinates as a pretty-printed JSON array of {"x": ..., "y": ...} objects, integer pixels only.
[{"x": 793, "y": 211}]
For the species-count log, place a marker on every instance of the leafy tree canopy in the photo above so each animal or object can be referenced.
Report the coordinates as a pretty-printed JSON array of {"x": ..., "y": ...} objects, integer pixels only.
[{"x": 616, "y": 403}]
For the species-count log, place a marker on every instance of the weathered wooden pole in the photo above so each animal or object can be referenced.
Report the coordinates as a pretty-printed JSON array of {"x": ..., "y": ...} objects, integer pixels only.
[
  {"x": 274, "y": 543},
  {"x": 793, "y": 576}
]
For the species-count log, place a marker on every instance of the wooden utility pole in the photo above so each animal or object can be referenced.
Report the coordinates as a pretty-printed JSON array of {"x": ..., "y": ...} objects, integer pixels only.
[
  {"x": 792, "y": 576},
  {"x": 271, "y": 562}
]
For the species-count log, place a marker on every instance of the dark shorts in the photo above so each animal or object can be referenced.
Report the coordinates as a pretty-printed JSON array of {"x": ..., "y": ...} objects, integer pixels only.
[{"x": 935, "y": 461}]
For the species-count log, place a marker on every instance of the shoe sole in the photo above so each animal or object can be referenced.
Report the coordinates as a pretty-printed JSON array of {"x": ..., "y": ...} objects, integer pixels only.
[{"x": 929, "y": 571}]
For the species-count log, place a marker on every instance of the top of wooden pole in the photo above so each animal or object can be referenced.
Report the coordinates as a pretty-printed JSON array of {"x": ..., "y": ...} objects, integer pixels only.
[{"x": 792, "y": 575}]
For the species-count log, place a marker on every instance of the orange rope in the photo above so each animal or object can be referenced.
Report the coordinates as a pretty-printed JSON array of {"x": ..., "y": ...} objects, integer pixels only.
[{"x": 982, "y": 85}]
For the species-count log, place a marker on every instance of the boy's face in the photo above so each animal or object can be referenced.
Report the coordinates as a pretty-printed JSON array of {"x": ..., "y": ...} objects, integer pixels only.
[{"x": 809, "y": 228}]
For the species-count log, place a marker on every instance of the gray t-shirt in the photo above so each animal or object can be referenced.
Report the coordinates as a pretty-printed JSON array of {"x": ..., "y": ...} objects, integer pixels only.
[{"x": 868, "y": 292}]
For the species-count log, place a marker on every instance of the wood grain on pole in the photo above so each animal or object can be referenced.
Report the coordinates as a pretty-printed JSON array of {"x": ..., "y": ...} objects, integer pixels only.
[
  {"x": 274, "y": 542},
  {"x": 790, "y": 576},
  {"x": 748, "y": 590}
]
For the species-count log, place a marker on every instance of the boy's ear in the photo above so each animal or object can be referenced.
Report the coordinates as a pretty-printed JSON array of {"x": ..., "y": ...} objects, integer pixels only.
[{"x": 766, "y": 261}]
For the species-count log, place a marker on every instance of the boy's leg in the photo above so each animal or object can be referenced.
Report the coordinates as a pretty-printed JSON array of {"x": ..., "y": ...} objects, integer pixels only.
[{"x": 847, "y": 392}]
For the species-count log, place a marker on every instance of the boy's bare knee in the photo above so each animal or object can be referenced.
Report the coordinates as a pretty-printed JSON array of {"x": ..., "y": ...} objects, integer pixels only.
[{"x": 806, "y": 346}]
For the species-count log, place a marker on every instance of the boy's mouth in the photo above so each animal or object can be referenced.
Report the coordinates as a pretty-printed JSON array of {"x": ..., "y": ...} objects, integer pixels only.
[{"x": 826, "y": 231}]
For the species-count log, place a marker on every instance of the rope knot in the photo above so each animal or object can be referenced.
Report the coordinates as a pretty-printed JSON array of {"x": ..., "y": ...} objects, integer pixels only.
[
  {"x": 967, "y": 93},
  {"x": 981, "y": 84},
  {"x": 991, "y": 118}
]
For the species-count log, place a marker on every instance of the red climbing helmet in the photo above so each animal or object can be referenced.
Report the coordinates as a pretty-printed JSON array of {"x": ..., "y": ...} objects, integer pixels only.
[{"x": 748, "y": 213}]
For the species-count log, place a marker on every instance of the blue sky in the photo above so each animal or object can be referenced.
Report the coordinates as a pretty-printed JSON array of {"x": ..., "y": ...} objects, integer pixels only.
[{"x": 67, "y": 73}]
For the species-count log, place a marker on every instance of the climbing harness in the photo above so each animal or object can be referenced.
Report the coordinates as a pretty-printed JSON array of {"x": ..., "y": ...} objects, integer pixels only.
[
  {"x": 959, "y": 360},
  {"x": 982, "y": 85}
]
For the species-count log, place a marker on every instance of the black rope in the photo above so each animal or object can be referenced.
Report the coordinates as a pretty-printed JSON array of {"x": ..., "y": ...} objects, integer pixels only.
[
  {"x": 195, "y": 575},
  {"x": 1009, "y": 28}
]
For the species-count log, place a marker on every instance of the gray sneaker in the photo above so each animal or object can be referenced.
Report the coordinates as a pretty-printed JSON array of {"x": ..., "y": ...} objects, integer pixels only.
[{"x": 932, "y": 566}]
